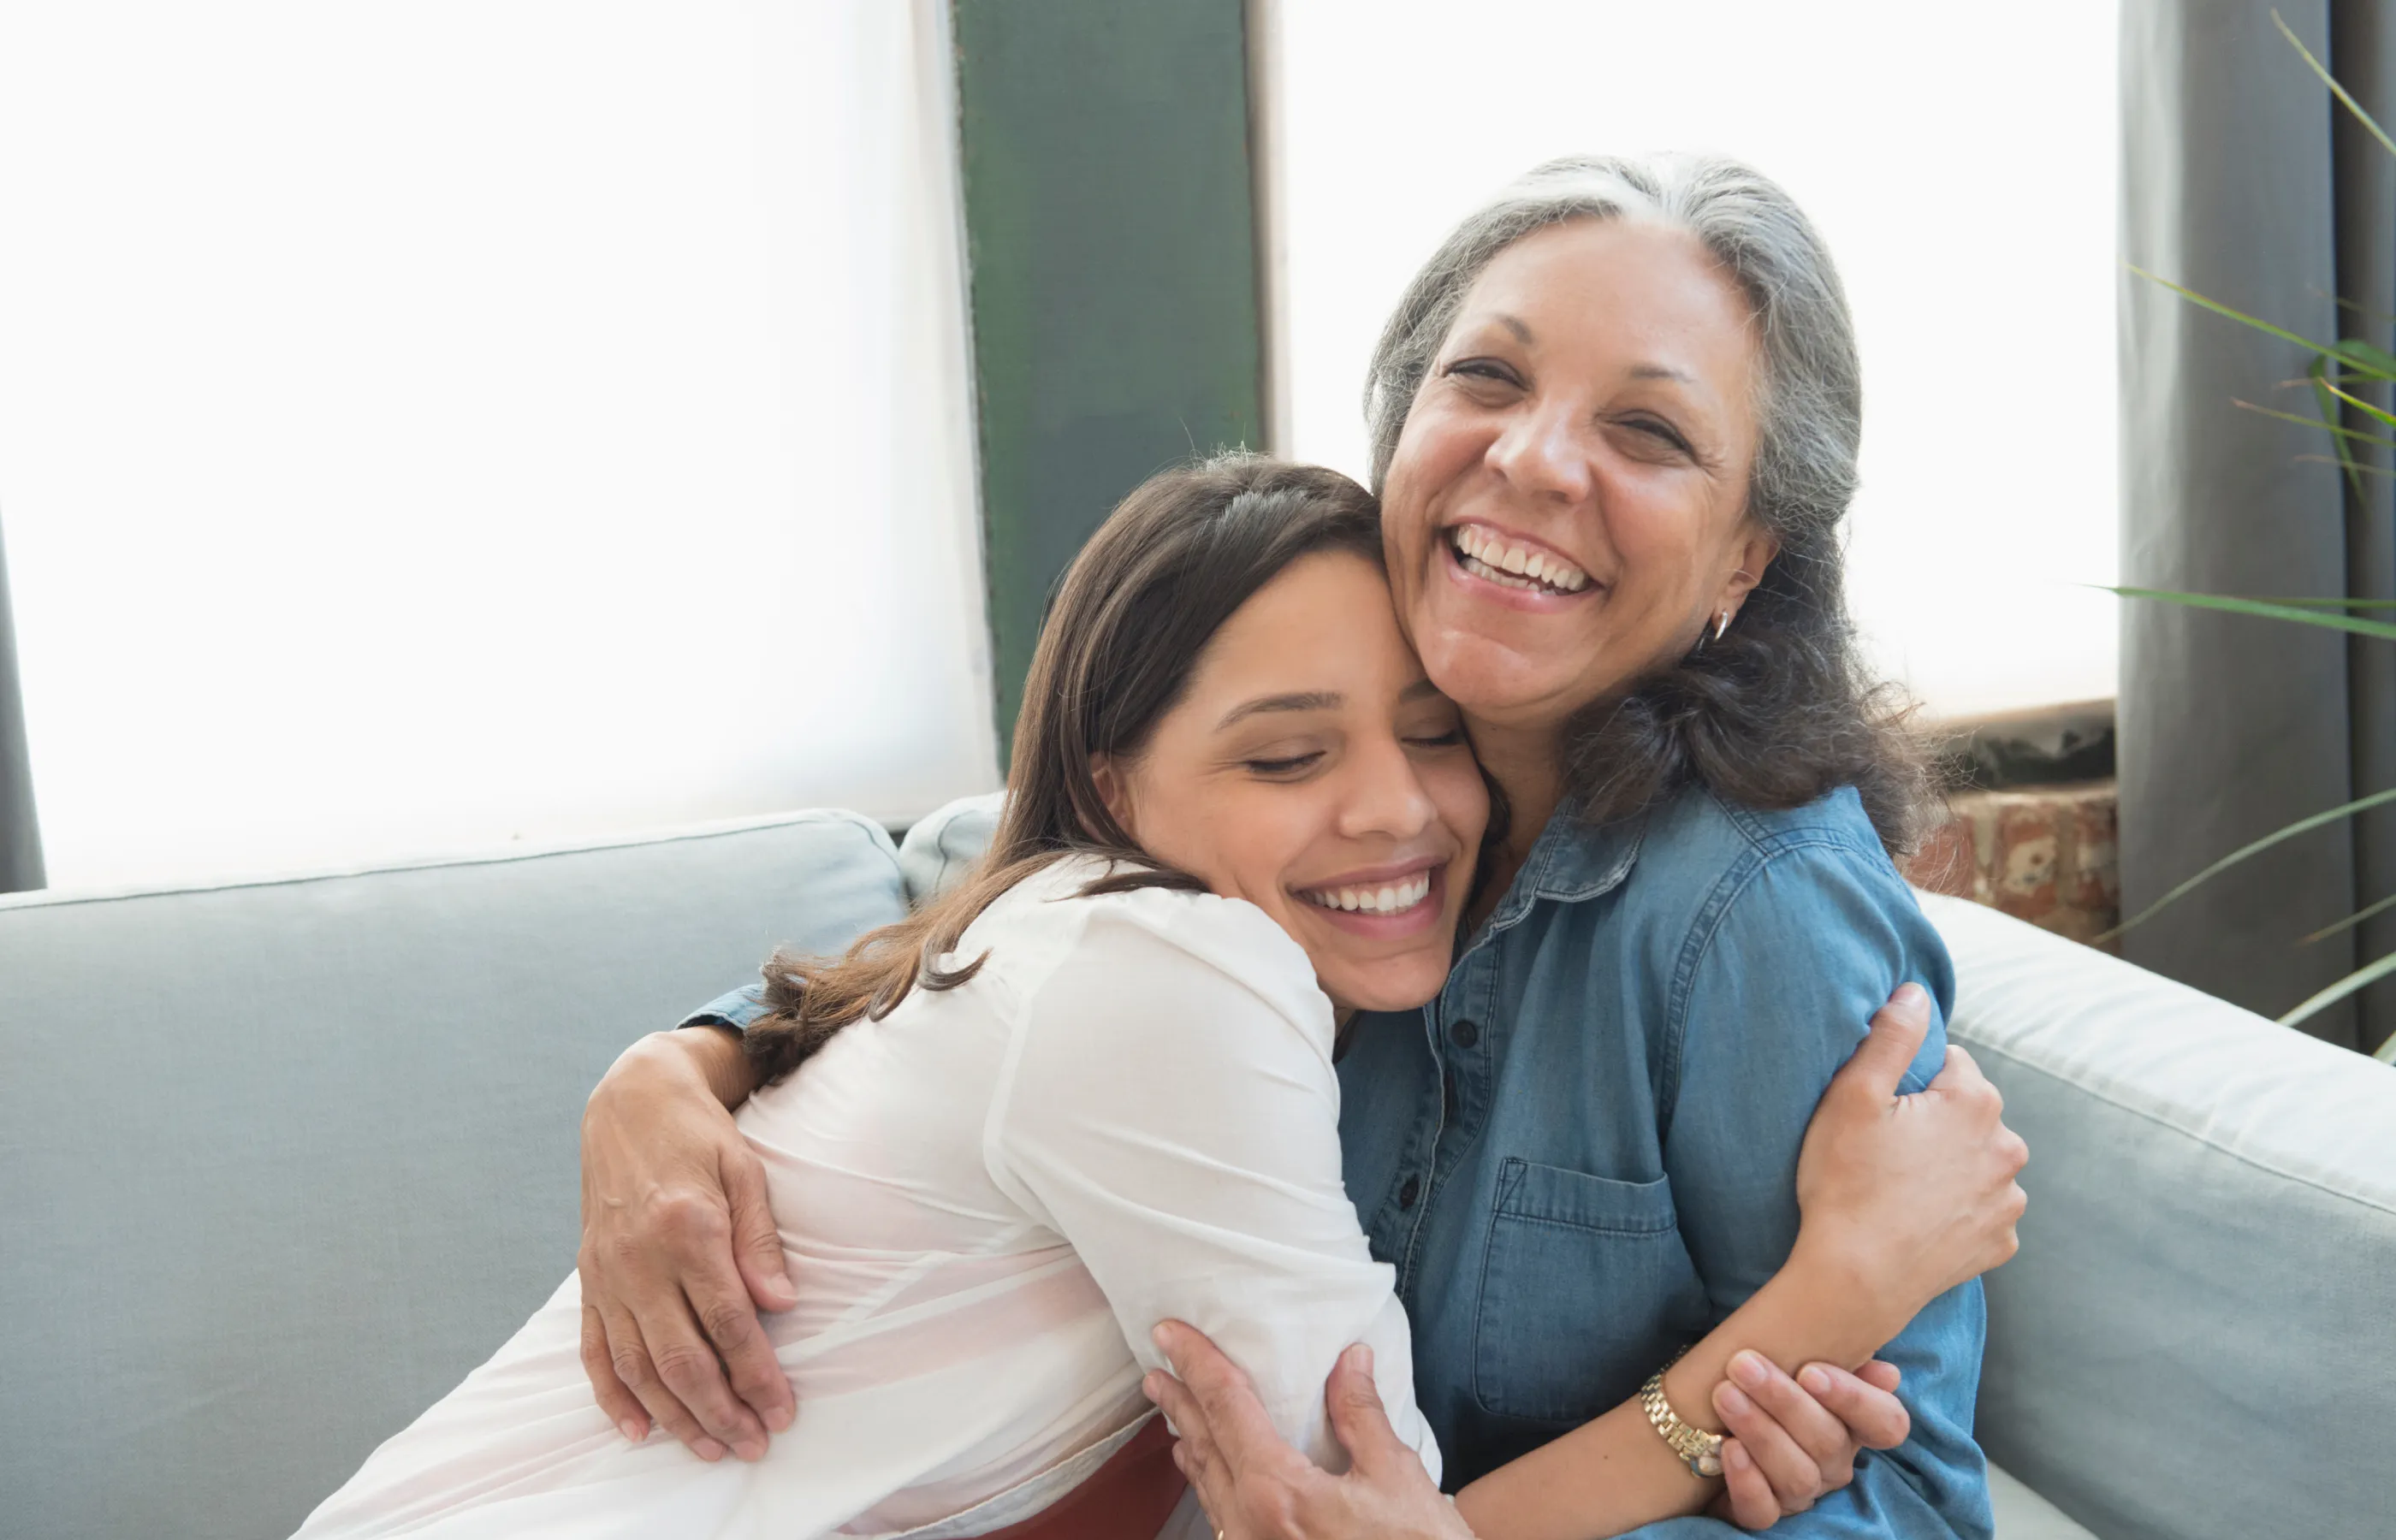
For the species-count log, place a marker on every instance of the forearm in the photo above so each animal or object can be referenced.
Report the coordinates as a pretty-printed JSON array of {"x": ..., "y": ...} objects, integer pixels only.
[
  {"x": 1615, "y": 1474},
  {"x": 672, "y": 1063}
]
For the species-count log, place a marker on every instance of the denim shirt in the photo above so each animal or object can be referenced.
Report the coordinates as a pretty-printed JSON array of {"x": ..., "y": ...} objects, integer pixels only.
[{"x": 1583, "y": 1154}]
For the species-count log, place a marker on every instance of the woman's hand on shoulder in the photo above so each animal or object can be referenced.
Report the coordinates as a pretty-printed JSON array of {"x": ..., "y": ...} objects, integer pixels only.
[
  {"x": 1255, "y": 1486},
  {"x": 1903, "y": 1196},
  {"x": 680, "y": 1251}
]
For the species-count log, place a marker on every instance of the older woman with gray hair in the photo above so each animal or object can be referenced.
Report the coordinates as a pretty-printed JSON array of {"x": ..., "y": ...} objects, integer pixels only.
[{"x": 1614, "y": 422}]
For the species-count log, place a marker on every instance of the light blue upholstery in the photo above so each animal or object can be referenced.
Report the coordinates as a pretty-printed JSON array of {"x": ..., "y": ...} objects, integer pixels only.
[
  {"x": 941, "y": 845},
  {"x": 280, "y": 1162},
  {"x": 2197, "y": 1341}
]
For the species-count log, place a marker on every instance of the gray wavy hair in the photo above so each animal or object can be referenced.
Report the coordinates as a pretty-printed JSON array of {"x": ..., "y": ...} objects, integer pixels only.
[
  {"x": 1781, "y": 712},
  {"x": 1810, "y": 419}
]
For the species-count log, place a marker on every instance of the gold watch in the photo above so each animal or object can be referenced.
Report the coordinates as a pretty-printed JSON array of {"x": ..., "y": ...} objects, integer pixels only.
[{"x": 1699, "y": 1450}]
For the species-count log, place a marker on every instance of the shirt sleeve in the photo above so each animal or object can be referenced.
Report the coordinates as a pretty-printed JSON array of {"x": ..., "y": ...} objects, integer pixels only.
[
  {"x": 1170, "y": 1108},
  {"x": 1782, "y": 990},
  {"x": 735, "y": 1010}
]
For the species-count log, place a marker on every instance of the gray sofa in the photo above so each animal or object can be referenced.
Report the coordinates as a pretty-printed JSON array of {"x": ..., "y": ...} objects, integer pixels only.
[{"x": 279, "y": 1161}]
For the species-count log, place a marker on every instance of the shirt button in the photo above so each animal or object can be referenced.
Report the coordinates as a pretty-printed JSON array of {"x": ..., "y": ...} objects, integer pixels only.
[
  {"x": 1409, "y": 1193},
  {"x": 1465, "y": 1034}
]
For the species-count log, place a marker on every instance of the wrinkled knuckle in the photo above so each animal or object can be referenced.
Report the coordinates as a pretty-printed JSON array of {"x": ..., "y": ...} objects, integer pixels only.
[
  {"x": 684, "y": 1367},
  {"x": 725, "y": 1323},
  {"x": 690, "y": 1218},
  {"x": 632, "y": 1367}
]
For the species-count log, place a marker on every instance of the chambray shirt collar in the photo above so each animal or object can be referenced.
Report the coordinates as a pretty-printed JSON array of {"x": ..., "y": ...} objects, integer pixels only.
[{"x": 1572, "y": 860}]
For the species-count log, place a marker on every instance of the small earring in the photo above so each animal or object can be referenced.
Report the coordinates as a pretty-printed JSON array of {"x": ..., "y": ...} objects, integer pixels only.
[{"x": 1721, "y": 624}]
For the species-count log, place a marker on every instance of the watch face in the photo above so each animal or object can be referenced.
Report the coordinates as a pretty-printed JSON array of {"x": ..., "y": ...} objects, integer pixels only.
[{"x": 1707, "y": 1465}]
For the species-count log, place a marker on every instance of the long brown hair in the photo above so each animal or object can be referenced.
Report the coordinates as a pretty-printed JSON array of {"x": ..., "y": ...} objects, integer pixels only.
[{"x": 1126, "y": 627}]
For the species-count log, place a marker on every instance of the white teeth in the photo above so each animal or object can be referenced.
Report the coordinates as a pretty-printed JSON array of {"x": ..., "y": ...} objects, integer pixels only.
[
  {"x": 1514, "y": 567},
  {"x": 1392, "y": 899}
]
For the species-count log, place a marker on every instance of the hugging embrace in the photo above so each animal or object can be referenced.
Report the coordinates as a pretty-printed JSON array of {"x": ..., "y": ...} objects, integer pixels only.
[{"x": 1437, "y": 1013}]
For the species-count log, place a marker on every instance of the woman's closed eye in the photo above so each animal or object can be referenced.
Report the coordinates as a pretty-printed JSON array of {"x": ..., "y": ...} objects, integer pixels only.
[
  {"x": 1484, "y": 371},
  {"x": 1663, "y": 433},
  {"x": 1283, "y": 767}
]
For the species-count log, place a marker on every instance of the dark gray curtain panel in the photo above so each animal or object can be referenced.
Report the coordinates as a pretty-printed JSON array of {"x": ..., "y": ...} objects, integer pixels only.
[
  {"x": 20, "y": 838},
  {"x": 2239, "y": 181},
  {"x": 2362, "y": 55}
]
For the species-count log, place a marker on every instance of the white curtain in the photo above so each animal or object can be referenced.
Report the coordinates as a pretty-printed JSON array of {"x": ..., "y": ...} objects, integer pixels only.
[
  {"x": 1960, "y": 162},
  {"x": 427, "y": 426}
]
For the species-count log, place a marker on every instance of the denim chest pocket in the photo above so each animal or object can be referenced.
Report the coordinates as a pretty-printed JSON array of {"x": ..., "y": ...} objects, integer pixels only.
[{"x": 1585, "y": 1288}]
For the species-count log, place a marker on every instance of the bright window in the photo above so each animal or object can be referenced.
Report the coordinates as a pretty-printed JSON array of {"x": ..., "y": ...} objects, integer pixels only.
[
  {"x": 1960, "y": 162},
  {"x": 429, "y": 425}
]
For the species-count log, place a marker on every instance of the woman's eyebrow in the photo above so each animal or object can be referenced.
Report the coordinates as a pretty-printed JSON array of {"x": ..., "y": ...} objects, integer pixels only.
[{"x": 1304, "y": 700}]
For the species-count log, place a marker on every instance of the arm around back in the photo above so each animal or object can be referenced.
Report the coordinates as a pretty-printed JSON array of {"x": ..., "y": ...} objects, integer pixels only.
[
  {"x": 1801, "y": 948},
  {"x": 679, "y": 1250}
]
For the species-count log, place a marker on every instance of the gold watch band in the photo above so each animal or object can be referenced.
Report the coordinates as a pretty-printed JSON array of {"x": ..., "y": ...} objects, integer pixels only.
[{"x": 1699, "y": 1450}]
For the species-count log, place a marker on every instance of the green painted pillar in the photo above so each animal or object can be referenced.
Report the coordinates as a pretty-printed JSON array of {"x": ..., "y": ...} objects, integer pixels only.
[{"x": 1111, "y": 237}]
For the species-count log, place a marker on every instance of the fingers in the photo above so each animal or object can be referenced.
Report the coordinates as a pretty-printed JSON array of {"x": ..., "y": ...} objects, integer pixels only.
[
  {"x": 622, "y": 1407},
  {"x": 1173, "y": 1397},
  {"x": 1897, "y": 1036},
  {"x": 629, "y": 1358},
  {"x": 724, "y": 1304},
  {"x": 1193, "y": 1453},
  {"x": 1747, "y": 1497},
  {"x": 686, "y": 1359},
  {"x": 746, "y": 1361},
  {"x": 1358, "y": 1419},
  {"x": 1236, "y": 1421},
  {"x": 1762, "y": 1419},
  {"x": 756, "y": 1239},
  {"x": 1869, "y": 1415},
  {"x": 1881, "y": 1375}
]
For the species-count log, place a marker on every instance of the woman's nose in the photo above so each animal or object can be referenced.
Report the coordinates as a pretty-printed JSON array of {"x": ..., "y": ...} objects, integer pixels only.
[
  {"x": 1387, "y": 798},
  {"x": 1543, "y": 454}
]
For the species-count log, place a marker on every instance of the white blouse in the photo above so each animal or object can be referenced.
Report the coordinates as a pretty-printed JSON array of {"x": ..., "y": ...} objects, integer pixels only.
[{"x": 987, "y": 1199}]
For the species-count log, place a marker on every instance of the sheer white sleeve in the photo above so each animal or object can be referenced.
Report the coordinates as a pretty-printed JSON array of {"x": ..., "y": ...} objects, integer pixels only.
[{"x": 1169, "y": 1107}]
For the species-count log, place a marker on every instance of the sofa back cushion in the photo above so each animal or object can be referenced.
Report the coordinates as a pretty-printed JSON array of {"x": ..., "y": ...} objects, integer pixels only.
[
  {"x": 2197, "y": 1341},
  {"x": 941, "y": 847},
  {"x": 279, "y": 1163}
]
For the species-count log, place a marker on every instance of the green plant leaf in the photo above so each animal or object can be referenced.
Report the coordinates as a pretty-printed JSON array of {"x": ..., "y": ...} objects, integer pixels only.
[
  {"x": 2329, "y": 423},
  {"x": 2330, "y": 604},
  {"x": 2265, "y": 608},
  {"x": 2360, "y": 979},
  {"x": 2302, "y": 826},
  {"x": 2375, "y": 361},
  {"x": 2351, "y": 920},
  {"x": 2325, "y": 405},
  {"x": 2217, "y": 308},
  {"x": 2386, "y": 1054},
  {"x": 2358, "y": 403},
  {"x": 2331, "y": 81}
]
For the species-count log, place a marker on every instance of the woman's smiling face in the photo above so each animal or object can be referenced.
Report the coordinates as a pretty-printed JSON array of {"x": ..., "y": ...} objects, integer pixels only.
[
  {"x": 1566, "y": 505},
  {"x": 1310, "y": 768}
]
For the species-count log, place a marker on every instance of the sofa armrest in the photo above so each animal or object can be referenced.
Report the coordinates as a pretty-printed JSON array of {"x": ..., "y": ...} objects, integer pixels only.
[{"x": 2199, "y": 1336}]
